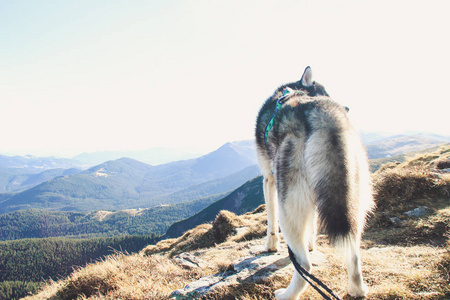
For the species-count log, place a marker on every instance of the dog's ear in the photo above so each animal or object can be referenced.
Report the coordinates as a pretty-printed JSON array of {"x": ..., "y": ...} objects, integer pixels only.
[{"x": 307, "y": 77}]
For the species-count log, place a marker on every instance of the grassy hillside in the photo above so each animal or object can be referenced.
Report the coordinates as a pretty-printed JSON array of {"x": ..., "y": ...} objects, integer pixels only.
[{"x": 404, "y": 256}]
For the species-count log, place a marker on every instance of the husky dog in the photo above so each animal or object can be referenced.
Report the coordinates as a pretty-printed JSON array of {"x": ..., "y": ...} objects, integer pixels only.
[{"x": 314, "y": 167}]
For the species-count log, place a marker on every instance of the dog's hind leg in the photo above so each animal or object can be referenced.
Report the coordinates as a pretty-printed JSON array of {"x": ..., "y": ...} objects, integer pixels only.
[
  {"x": 270, "y": 196},
  {"x": 356, "y": 286},
  {"x": 297, "y": 210},
  {"x": 296, "y": 228}
]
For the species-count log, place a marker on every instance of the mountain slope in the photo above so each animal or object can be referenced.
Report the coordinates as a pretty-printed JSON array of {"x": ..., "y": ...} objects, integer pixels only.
[
  {"x": 212, "y": 187},
  {"x": 100, "y": 187}
]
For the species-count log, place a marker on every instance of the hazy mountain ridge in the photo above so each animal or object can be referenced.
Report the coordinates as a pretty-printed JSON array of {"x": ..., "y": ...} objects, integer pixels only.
[
  {"x": 398, "y": 144},
  {"x": 18, "y": 173},
  {"x": 31, "y": 164},
  {"x": 216, "y": 186},
  {"x": 152, "y": 156},
  {"x": 155, "y": 156}
]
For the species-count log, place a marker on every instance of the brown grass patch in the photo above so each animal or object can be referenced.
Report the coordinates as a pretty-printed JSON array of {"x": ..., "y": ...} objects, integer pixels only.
[
  {"x": 226, "y": 226},
  {"x": 431, "y": 230},
  {"x": 405, "y": 272},
  {"x": 419, "y": 272},
  {"x": 121, "y": 276},
  {"x": 254, "y": 225},
  {"x": 399, "y": 188},
  {"x": 431, "y": 160}
]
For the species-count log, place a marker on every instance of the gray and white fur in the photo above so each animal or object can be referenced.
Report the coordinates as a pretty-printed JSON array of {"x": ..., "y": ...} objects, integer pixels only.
[{"x": 315, "y": 172}]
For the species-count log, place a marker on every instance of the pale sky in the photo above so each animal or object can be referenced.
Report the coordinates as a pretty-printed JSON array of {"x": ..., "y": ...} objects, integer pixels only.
[{"x": 83, "y": 76}]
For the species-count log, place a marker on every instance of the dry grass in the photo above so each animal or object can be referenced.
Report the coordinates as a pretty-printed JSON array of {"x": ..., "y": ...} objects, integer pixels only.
[
  {"x": 433, "y": 230},
  {"x": 402, "y": 187},
  {"x": 121, "y": 276},
  {"x": 415, "y": 272},
  {"x": 438, "y": 159},
  {"x": 392, "y": 272},
  {"x": 226, "y": 226}
]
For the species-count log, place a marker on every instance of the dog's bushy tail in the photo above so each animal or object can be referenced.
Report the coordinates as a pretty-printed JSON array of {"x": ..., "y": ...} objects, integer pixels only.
[{"x": 329, "y": 169}]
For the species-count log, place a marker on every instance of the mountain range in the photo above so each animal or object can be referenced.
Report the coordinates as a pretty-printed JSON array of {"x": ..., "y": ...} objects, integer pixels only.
[{"x": 128, "y": 183}]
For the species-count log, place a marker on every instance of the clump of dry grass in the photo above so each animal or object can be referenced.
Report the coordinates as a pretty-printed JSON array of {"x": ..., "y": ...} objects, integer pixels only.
[
  {"x": 399, "y": 188},
  {"x": 198, "y": 237},
  {"x": 431, "y": 160},
  {"x": 121, "y": 276},
  {"x": 432, "y": 230},
  {"x": 225, "y": 225},
  {"x": 223, "y": 228},
  {"x": 436, "y": 226},
  {"x": 254, "y": 225}
]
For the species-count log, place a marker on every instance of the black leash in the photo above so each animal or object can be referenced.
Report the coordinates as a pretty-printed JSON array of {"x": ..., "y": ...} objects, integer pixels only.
[{"x": 305, "y": 274}]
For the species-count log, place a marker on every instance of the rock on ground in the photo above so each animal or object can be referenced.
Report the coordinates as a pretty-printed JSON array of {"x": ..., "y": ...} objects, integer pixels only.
[{"x": 255, "y": 265}]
